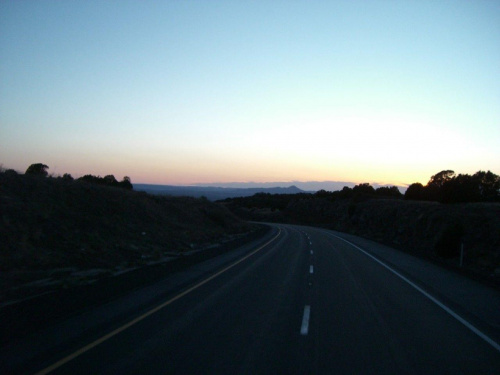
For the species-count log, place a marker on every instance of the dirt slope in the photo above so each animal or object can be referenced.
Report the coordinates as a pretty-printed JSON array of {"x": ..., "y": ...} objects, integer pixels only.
[{"x": 51, "y": 229}]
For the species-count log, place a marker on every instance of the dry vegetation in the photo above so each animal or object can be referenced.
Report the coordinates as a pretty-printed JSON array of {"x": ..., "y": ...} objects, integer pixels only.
[{"x": 55, "y": 231}]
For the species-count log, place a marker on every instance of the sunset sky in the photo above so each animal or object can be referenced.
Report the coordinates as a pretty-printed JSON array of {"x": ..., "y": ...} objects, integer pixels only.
[{"x": 184, "y": 92}]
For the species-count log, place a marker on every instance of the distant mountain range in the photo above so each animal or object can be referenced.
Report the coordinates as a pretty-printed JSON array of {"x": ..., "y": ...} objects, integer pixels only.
[
  {"x": 214, "y": 193},
  {"x": 310, "y": 186},
  {"x": 217, "y": 191}
]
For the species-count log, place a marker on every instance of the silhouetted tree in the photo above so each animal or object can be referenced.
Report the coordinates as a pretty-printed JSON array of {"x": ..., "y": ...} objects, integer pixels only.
[
  {"x": 322, "y": 194},
  {"x": 126, "y": 183},
  {"x": 482, "y": 186},
  {"x": 345, "y": 193},
  {"x": 363, "y": 189},
  {"x": 89, "y": 178},
  {"x": 110, "y": 180},
  {"x": 445, "y": 187},
  {"x": 439, "y": 179},
  {"x": 459, "y": 189},
  {"x": 489, "y": 185},
  {"x": 415, "y": 192},
  {"x": 386, "y": 191},
  {"x": 67, "y": 177},
  {"x": 37, "y": 169},
  {"x": 433, "y": 190},
  {"x": 10, "y": 172}
]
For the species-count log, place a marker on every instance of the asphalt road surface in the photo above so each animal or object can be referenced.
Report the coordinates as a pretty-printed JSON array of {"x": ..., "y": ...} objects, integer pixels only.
[{"x": 299, "y": 301}]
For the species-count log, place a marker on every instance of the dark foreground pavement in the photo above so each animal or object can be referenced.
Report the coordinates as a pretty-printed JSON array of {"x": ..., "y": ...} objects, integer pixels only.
[{"x": 298, "y": 301}]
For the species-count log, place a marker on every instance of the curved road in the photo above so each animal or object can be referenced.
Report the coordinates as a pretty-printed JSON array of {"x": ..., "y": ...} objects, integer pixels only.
[{"x": 301, "y": 301}]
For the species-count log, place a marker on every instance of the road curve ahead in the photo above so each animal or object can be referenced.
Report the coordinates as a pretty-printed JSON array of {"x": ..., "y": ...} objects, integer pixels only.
[{"x": 304, "y": 301}]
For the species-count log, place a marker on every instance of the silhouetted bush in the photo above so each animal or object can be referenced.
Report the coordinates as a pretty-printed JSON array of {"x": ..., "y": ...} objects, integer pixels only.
[
  {"x": 108, "y": 180},
  {"x": 67, "y": 177},
  {"x": 126, "y": 183},
  {"x": 11, "y": 172},
  {"x": 345, "y": 193},
  {"x": 415, "y": 192},
  {"x": 322, "y": 194},
  {"x": 91, "y": 179},
  {"x": 37, "y": 169}
]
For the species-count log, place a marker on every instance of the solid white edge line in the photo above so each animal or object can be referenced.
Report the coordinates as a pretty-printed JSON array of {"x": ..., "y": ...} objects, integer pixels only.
[
  {"x": 490, "y": 341},
  {"x": 304, "y": 329}
]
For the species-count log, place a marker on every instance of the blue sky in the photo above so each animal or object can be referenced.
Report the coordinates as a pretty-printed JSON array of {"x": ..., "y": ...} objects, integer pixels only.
[{"x": 233, "y": 91}]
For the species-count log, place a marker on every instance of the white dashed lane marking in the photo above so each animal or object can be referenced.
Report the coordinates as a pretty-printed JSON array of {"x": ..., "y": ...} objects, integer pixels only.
[{"x": 304, "y": 329}]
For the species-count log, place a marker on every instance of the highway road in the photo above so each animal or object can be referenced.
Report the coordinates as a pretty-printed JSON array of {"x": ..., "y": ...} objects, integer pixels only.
[{"x": 301, "y": 300}]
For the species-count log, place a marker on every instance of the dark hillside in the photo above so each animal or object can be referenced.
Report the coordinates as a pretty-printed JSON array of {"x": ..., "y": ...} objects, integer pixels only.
[{"x": 72, "y": 230}]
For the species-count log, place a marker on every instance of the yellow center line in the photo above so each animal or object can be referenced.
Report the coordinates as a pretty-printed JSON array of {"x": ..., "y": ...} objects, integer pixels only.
[{"x": 150, "y": 312}]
